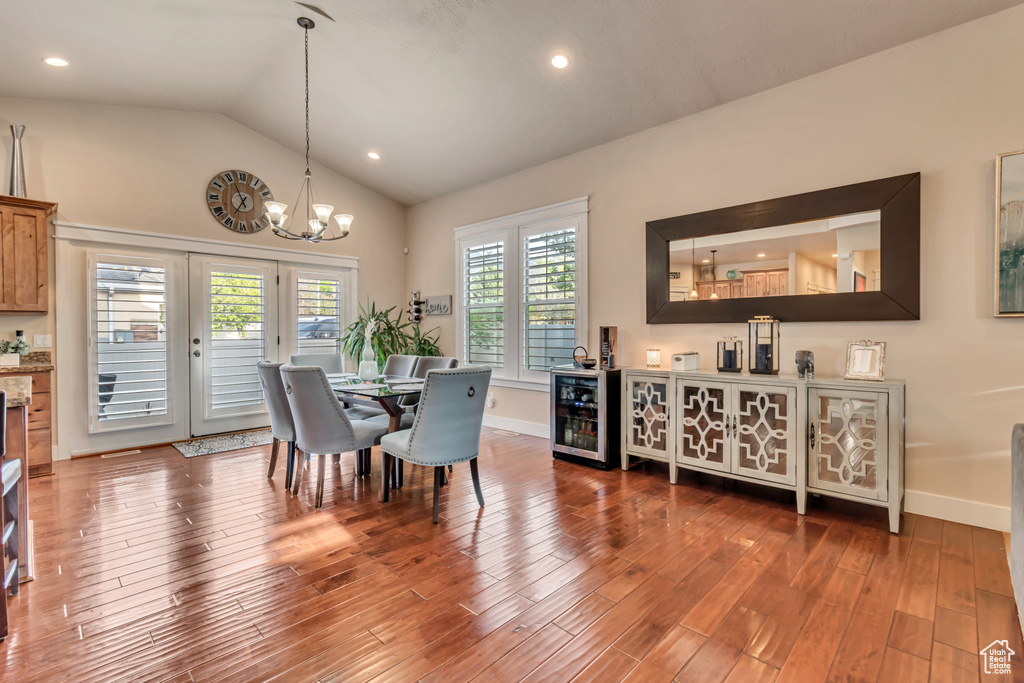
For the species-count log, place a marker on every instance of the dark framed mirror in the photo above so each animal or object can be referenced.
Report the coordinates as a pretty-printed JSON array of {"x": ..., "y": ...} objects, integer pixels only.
[{"x": 842, "y": 254}]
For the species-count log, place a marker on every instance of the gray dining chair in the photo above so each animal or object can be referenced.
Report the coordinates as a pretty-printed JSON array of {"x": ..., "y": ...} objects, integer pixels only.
[
  {"x": 399, "y": 365},
  {"x": 330, "y": 362},
  {"x": 423, "y": 365},
  {"x": 446, "y": 429},
  {"x": 281, "y": 426},
  {"x": 321, "y": 425}
]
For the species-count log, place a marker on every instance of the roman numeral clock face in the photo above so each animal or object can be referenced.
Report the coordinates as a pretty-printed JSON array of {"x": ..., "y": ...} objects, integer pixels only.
[{"x": 236, "y": 200}]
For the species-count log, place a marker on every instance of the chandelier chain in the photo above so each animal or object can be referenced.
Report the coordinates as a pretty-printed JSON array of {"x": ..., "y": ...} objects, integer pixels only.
[{"x": 306, "y": 32}]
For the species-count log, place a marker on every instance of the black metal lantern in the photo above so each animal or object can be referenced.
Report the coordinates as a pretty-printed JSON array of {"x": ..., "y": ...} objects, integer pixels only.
[
  {"x": 764, "y": 345},
  {"x": 730, "y": 355}
]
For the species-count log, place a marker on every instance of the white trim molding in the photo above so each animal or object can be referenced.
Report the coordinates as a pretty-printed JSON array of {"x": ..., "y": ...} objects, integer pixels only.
[
  {"x": 969, "y": 512},
  {"x": 542, "y": 431},
  {"x": 80, "y": 232},
  {"x": 566, "y": 209}
]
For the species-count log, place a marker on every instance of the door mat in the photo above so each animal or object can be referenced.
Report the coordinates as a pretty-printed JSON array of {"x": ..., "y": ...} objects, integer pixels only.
[{"x": 225, "y": 442}]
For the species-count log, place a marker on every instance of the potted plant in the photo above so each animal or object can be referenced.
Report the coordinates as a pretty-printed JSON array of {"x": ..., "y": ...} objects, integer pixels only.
[
  {"x": 12, "y": 351},
  {"x": 383, "y": 333}
]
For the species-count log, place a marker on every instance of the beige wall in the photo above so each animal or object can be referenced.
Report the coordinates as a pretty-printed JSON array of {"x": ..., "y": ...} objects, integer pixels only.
[
  {"x": 808, "y": 271},
  {"x": 147, "y": 169},
  {"x": 944, "y": 106}
]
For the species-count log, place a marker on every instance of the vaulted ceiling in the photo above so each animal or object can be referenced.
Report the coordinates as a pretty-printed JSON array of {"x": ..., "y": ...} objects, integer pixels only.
[{"x": 451, "y": 93}]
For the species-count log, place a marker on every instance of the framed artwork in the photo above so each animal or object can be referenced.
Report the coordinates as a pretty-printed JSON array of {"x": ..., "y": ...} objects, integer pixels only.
[
  {"x": 707, "y": 273},
  {"x": 1010, "y": 235},
  {"x": 865, "y": 359},
  {"x": 860, "y": 282}
]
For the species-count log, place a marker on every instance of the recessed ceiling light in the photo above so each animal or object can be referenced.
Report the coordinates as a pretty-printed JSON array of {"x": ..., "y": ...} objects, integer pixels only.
[
  {"x": 707, "y": 260},
  {"x": 56, "y": 61},
  {"x": 835, "y": 255},
  {"x": 373, "y": 155},
  {"x": 760, "y": 256},
  {"x": 559, "y": 61}
]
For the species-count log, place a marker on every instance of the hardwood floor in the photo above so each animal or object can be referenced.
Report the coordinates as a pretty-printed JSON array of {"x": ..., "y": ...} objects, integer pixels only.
[{"x": 159, "y": 568}]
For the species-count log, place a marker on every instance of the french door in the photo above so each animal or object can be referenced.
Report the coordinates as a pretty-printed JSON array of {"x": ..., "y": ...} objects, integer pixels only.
[{"x": 233, "y": 308}]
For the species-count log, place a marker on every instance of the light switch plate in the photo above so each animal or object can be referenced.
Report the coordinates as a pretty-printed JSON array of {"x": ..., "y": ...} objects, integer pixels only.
[{"x": 43, "y": 341}]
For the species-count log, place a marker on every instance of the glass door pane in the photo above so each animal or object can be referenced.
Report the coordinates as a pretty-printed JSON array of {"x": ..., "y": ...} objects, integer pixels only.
[
  {"x": 848, "y": 431},
  {"x": 704, "y": 426},
  {"x": 648, "y": 416},
  {"x": 576, "y": 412},
  {"x": 765, "y": 439}
]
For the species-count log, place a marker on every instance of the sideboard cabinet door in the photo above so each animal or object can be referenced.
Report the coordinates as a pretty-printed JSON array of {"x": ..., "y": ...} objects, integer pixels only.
[
  {"x": 765, "y": 432},
  {"x": 704, "y": 428},
  {"x": 647, "y": 409},
  {"x": 849, "y": 437}
]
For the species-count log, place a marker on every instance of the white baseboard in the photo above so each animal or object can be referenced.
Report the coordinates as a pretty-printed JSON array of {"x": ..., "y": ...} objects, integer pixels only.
[
  {"x": 521, "y": 426},
  {"x": 957, "y": 510}
]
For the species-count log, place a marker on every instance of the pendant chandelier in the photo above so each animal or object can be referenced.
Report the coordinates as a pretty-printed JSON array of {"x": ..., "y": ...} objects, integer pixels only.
[{"x": 317, "y": 226}]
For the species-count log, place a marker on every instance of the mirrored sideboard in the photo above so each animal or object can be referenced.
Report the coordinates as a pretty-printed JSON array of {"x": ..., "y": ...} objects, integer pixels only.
[{"x": 830, "y": 437}]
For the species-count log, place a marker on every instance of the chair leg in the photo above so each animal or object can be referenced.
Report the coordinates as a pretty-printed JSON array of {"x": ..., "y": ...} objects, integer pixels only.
[
  {"x": 290, "y": 465},
  {"x": 401, "y": 473},
  {"x": 321, "y": 459},
  {"x": 386, "y": 463},
  {"x": 300, "y": 463},
  {"x": 367, "y": 455},
  {"x": 438, "y": 473},
  {"x": 476, "y": 481},
  {"x": 451, "y": 468},
  {"x": 273, "y": 457}
]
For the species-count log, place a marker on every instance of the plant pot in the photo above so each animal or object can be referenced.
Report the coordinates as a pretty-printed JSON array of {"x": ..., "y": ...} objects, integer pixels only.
[{"x": 10, "y": 359}]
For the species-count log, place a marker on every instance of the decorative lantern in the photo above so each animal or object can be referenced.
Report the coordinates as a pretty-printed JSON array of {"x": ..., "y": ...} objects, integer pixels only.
[
  {"x": 654, "y": 358},
  {"x": 764, "y": 345},
  {"x": 730, "y": 355}
]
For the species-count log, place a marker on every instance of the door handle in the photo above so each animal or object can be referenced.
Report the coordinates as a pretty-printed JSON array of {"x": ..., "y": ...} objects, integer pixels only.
[
  {"x": 196, "y": 353},
  {"x": 812, "y": 436},
  {"x": 196, "y": 340}
]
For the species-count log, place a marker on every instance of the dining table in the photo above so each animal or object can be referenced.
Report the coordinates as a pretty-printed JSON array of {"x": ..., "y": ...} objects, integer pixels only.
[{"x": 386, "y": 392}]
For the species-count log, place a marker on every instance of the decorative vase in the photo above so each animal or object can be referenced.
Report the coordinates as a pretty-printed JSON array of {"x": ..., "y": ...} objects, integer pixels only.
[
  {"x": 17, "y": 164},
  {"x": 732, "y": 274},
  {"x": 368, "y": 365}
]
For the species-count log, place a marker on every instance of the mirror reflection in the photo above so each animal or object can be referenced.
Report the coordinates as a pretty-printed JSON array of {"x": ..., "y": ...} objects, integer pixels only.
[{"x": 841, "y": 254}]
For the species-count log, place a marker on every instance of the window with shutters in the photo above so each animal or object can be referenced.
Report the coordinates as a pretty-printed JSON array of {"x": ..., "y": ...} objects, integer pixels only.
[
  {"x": 319, "y": 313},
  {"x": 128, "y": 355},
  {"x": 523, "y": 292}
]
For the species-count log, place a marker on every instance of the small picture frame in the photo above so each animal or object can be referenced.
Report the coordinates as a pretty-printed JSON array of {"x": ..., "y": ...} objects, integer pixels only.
[{"x": 865, "y": 359}]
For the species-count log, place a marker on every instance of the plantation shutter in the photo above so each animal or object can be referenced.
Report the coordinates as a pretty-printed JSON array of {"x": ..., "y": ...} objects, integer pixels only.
[
  {"x": 318, "y": 302},
  {"x": 484, "y": 304},
  {"x": 129, "y": 353},
  {"x": 549, "y": 298}
]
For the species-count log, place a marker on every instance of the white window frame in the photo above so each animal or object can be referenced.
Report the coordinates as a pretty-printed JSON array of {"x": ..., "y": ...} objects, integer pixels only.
[
  {"x": 171, "y": 340},
  {"x": 513, "y": 229}
]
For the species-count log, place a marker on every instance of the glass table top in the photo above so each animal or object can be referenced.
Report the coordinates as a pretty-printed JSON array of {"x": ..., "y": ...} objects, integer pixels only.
[{"x": 383, "y": 386}]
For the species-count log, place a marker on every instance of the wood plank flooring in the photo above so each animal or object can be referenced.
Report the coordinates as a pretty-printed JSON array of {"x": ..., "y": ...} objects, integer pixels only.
[{"x": 159, "y": 568}]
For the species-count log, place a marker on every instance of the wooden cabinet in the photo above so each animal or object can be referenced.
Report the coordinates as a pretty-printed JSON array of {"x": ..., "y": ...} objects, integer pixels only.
[
  {"x": 725, "y": 289},
  {"x": 766, "y": 282},
  {"x": 40, "y": 435},
  {"x": 838, "y": 438},
  {"x": 23, "y": 254}
]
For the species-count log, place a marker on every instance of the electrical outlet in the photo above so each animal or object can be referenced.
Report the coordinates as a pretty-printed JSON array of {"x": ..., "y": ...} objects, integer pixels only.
[
  {"x": 42, "y": 341},
  {"x": 490, "y": 399}
]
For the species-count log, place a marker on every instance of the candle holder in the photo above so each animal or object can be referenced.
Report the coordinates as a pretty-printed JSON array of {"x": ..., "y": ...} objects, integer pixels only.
[
  {"x": 764, "y": 345},
  {"x": 730, "y": 355},
  {"x": 654, "y": 358}
]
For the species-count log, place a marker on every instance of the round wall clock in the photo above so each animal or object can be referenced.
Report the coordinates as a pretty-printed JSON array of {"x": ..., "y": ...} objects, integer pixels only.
[{"x": 236, "y": 200}]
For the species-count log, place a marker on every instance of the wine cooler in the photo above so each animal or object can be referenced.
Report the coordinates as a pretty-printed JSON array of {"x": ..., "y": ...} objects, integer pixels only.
[{"x": 585, "y": 416}]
